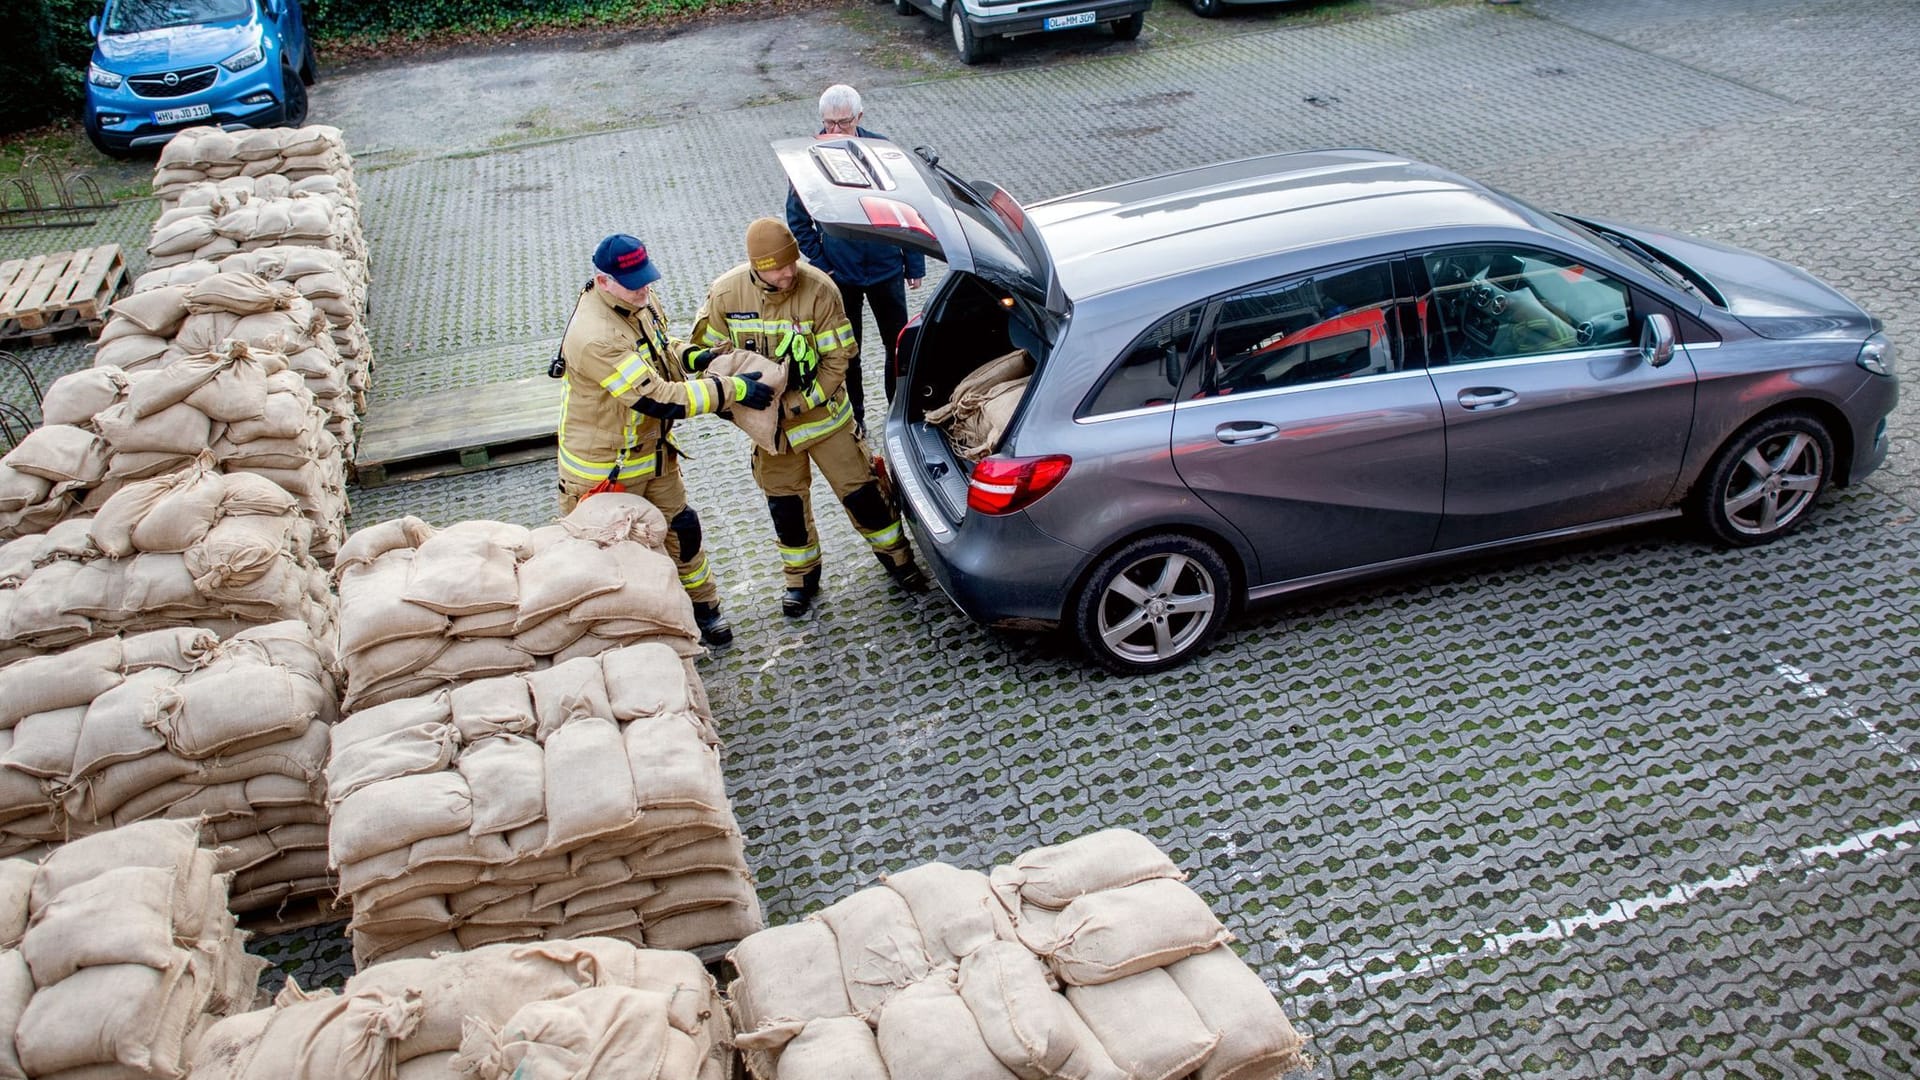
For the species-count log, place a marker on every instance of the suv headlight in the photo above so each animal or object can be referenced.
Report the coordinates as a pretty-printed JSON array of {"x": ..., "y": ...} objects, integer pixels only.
[
  {"x": 1876, "y": 355},
  {"x": 102, "y": 78},
  {"x": 244, "y": 59}
]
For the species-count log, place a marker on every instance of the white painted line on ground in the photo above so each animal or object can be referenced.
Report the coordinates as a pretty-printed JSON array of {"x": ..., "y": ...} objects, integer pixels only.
[
  {"x": 1865, "y": 847},
  {"x": 1811, "y": 687}
]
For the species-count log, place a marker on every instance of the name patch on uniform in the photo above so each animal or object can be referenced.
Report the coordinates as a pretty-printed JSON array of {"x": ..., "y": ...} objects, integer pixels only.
[{"x": 742, "y": 315}]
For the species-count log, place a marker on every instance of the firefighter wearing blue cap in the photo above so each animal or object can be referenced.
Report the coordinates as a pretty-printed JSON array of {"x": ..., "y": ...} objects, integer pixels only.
[
  {"x": 626, "y": 383},
  {"x": 775, "y": 305}
]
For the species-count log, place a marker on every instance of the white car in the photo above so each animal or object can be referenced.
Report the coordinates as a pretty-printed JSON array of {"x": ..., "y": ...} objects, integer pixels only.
[{"x": 976, "y": 23}]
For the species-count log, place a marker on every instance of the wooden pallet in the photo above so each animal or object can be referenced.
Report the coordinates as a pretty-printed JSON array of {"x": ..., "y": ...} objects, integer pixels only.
[
  {"x": 49, "y": 295},
  {"x": 459, "y": 431}
]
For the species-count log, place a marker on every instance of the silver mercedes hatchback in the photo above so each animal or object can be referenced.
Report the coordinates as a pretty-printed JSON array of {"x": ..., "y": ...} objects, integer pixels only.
[{"x": 1264, "y": 375}]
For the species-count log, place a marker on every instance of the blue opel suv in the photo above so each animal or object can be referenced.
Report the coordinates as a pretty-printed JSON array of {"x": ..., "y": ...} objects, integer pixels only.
[{"x": 162, "y": 65}]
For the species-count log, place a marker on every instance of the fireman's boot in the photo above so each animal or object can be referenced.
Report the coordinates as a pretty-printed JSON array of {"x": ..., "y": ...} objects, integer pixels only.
[
  {"x": 715, "y": 630},
  {"x": 907, "y": 575},
  {"x": 798, "y": 599}
]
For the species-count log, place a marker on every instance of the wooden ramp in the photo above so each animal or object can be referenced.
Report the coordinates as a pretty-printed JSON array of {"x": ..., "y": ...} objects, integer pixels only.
[
  {"x": 48, "y": 295},
  {"x": 459, "y": 431}
]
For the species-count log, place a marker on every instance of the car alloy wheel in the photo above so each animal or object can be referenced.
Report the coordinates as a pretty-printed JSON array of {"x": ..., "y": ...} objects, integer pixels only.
[
  {"x": 1152, "y": 604},
  {"x": 1766, "y": 479},
  {"x": 971, "y": 47},
  {"x": 296, "y": 92},
  {"x": 1206, "y": 9}
]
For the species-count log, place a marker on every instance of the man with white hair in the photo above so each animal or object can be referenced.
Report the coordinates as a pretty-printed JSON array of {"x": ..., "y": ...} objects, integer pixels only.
[{"x": 869, "y": 270}]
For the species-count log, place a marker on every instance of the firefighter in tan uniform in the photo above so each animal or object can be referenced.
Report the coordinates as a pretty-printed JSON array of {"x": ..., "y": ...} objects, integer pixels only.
[
  {"x": 777, "y": 306},
  {"x": 625, "y": 386}
]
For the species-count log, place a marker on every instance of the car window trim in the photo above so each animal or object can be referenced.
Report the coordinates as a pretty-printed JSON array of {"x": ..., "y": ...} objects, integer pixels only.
[
  {"x": 1538, "y": 358},
  {"x": 1275, "y": 391}
]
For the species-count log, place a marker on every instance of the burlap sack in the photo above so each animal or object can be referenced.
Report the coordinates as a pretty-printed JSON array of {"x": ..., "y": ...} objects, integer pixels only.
[
  {"x": 954, "y": 908},
  {"x": 1256, "y": 1039},
  {"x": 567, "y": 692},
  {"x": 486, "y": 707},
  {"x": 650, "y": 598},
  {"x": 124, "y": 353},
  {"x": 589, "y": 788},
  {"x": 16, "y": 888},
  {"x": 346, "y": 1037},
  {"x": 184, "y": 512},
  {"x": 617, "y": 518},
  {"x": 1055, "y": 876},
  {"x": 182, "y": 237},
  {"x": 616, "y": 1030},
  {"x": 1029, "y": 1027},
  {"x": 16, "y": 989},
  {"x": 926, "y": 1032},
  {"x": 422, "y": 748},
  {"x": 881, "y": 948},
  {"x": 561, "y": 577},
  {"x": 1146, "y": 1025},
  {"x": 841, "y": 1048},
  {"x": 18, "y": 491},
  {"x": 788, "y": 975},
  {"x": 1111, "y": 934},
  {"x": 373, "y": 610},
  {"x": 978, "y": 433},
  {"x": 131, "y": 1014},
  {"x": 158, "y": 312},
  {"x": 118, "y": 725},
  {"x": 226, "y": 1050},
  {"x": 394, "y": 813},
  {"x": 238, "y": 294},
  {"x": 761, "y": 425},
  {"x": 75, "y": 677},
  {"x": 124, "y": 916},
  {"x": 673, "y": 765},
  {"x": 63, "y": 454},
  {"x": 44, "y": 744},
  {"x": 487, "y": 984},
  {"x": 507, "y": 776},
  {"x": 461, "y": 573}
]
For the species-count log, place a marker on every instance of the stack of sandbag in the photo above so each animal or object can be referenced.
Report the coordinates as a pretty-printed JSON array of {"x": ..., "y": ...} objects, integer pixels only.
[
  {"x": 581, "y": 799},
  {"x": 235, "y": 190},
  {"x": 162, "y": 325},
  {"x": 1089, "y": 959},
  {"x": 146, "y": 564},
  {"x": 117, "y": 954},
  {"x": 298, "y": 219},
  {"x": 199, "y": 154},
  {"x": 592, "y": 1007},
  {"x": 178, "y": 724},
  {"x": 422, "y": 608},
  {"x": 334, "y": 284},
  {"x": 236, "y": 413},
  {"x": 982, "y": 405}
]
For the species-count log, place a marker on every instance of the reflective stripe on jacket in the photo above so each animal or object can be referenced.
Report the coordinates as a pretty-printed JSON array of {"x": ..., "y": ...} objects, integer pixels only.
[{"x": 741, "y": 310}]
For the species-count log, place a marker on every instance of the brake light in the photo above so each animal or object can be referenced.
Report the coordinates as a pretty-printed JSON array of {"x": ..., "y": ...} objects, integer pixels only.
[
  {"x": 894, "y": 214},
  {"x": 1002, "y": 485}
]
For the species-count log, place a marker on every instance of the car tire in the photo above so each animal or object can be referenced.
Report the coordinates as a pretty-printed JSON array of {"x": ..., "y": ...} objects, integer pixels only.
[
  {"x": 1206, "y": 9},
  {"x": 1129, "y": 28},
  {"x": 904, "y": 7},
  {"x": 1764, "y": 482},
  {"x": 1152, "y": 604},
  {"x": 971, "y": 47},
  {"x": 296, "y": 91}
]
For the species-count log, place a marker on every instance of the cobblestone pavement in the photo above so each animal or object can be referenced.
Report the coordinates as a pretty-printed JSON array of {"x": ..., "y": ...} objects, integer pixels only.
[{"x": 1632, "y": 806}]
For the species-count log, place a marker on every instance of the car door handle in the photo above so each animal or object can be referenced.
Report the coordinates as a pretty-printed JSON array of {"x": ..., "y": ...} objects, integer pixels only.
[
  {"x": 1240, "y": 431},
  {"x": 1487, "y": 397}
]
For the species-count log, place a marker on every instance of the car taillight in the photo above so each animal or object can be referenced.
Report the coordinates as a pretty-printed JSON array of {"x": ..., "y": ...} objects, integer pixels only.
[
  {"x": 1001, "y": 485},
  {"x": 893, "y": 214},
  {"x": 900, "y": 347}
]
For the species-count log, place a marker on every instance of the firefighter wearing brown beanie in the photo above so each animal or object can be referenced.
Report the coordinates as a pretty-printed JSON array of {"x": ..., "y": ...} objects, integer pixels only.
[{"x": 780, "y": 307}]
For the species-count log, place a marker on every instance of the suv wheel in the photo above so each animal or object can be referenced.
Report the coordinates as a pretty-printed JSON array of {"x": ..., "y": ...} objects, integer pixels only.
[
  {"x": 1765, "y": 479},
  {"x": 1129, "y": 28},
  {"x": 1152, "y": 604},
  {"x": 1206, "y": 9},
  {"x": 309, "y": 65},
  {"x": 904, "y": 7},
  {"x": 296, "y": 93},
  {"x": 971, "y": 47}
]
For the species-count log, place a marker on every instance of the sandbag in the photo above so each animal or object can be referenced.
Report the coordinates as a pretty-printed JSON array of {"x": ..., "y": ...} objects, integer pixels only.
[
  {"x": 507, "y": 776},
  {"x": 135, "y": 1015},
  {"x": 881, "y": 948},
  {"x": 1055, "y": 876},
  {"x": 75, "y": 677},
  {"x": 645, "y": 680},
  {"x": 396, "y": 812},
  {"x": 461, "y": 573},
  {"x": 589, "y": 788},
  {"x": 954, "y": 908},
  {"x": 1256, "y": 1040},
  {"x": 1146, "y": 1025},
  {"x": 761, "y": 425},
  {"x": 66, "y": 454},
  {"x": 788, "y": 975},
  {"x": 1111, "y": 934},
  {"x": 1029, "y": 1027},
  {"x": 926, "y": 1032},
  {"x": 838, "y": 1048}
]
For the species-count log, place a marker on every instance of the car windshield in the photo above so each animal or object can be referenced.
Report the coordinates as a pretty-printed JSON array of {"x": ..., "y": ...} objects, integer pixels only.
[{"x": 135, "y": 16}]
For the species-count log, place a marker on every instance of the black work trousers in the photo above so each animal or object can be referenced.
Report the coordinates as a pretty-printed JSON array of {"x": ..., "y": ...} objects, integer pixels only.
[{"x": 889, "y": 300}]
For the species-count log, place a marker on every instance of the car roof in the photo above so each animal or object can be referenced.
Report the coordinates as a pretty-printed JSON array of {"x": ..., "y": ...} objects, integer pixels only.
[{"x": 1146, "y": 230}]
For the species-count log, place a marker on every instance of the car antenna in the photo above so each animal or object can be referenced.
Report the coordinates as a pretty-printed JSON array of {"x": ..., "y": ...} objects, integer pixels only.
[{"x": 928, "y": 154}]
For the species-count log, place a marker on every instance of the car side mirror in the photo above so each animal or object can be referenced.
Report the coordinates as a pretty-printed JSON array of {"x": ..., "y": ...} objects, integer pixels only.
[
  {"x": 271, "y": 7},
  {"x": 1656, "y": 340},
  {"x": 93, "y": 26}
]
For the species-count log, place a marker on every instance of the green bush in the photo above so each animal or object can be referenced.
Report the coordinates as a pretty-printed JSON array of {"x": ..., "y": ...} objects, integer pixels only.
[
  {"x": 380, "y": 18},
  {"x": 43, "y": 70}
]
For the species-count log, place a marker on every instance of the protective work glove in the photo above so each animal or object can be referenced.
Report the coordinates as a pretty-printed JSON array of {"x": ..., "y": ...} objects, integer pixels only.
[
  {"x": 698, "y": 359},
  {"x": 798, "y": 351},
  {"x": 749, "y": 391}
]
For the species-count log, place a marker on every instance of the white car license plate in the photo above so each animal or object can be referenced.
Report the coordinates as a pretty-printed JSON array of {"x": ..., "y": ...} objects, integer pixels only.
[
  {"x": 1061, "y": 22},
  {"x": 174, "y": 116}
]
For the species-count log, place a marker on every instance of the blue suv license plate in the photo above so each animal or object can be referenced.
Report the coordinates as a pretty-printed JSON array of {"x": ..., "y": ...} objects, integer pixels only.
[
  {"x": 1061, "y": 22},
  {"x": 189, "y": 112}
]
